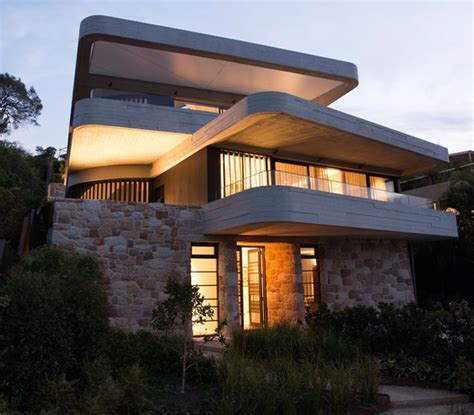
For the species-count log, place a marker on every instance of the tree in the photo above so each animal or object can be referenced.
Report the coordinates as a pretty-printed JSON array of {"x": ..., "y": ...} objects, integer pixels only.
[
  {"x": 18, "y": 105},
  {"x": 460, "y": 196},
  {"x": 23, "y": 183},
  {"x": 444, "y": 269},
  {"x": 183, "y": 306}
]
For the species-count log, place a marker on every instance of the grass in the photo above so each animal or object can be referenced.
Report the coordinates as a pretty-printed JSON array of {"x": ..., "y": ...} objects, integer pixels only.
[{"x": 289, "y": 370}]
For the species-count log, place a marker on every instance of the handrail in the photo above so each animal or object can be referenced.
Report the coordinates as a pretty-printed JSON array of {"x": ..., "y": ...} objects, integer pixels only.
[{"x": 281, "y": 178}]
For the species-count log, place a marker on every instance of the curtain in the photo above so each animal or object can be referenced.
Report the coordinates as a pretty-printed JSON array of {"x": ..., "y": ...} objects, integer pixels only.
[
  {"x": 289, "y": 174},
  {"x": 356, "y": 184}
]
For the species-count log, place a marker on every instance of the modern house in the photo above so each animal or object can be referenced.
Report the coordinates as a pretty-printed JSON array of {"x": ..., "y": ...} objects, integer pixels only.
[{"x": 219, "y": 162}]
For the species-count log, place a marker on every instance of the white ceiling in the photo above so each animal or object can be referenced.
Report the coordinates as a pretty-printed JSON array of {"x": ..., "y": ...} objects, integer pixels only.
[
  {"x": 138, "y": 63},
  {"x": 99, "y": 145}
]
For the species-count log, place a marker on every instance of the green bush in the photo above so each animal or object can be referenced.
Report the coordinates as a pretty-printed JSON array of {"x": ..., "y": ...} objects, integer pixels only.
[
  {"x": 54, "y": 318},
  {"x": 286, "y": 369},
  {"x": 155, "y": 355},
  {"x": 434, "y": 345}
]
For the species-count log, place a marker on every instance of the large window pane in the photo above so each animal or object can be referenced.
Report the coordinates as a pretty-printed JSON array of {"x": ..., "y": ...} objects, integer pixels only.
[
  {"x": 241, "y": 171},
  {"x": 204, "y": 275},
  {"x": 203, "y": 264},
  {"x": 356, "y": 184},
  {"x": 289, "y": 174},
  {"x": 381, "y": 187}
]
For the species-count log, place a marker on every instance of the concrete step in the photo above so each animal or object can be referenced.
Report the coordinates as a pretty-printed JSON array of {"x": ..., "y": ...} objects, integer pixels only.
[
  {"x": 415, "y": 397},
  {"x": 454, "y": 409}
]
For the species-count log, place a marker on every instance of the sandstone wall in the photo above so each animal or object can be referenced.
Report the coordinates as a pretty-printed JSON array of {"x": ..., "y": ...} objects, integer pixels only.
[
  {"x": 284, "y": 283},
  {"x": 142, "y": 245},
  {"x": 365, "y": 272},
  {"x": 139, "y": 245}
]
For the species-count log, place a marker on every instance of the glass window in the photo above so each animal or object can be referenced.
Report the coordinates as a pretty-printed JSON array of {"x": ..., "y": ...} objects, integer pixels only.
[
  {"x": 196, "y": 106},
  {"x": 310, "y": 274},
  {"x": 241, "y": 171},
  {"x": 308, "y": 251},
  {"x": 203, "y": 250},
  {"x": 290, "y": 174},
  {"x": 356, "y": 184},
  {"x": 381, "y": 187},
  {"x": 204, "y": 275}
]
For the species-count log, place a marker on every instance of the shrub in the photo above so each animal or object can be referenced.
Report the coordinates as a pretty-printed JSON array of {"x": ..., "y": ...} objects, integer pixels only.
[
  {"x": 434, "y": 345},
  {"x": 155, "y": 355},
  {"x": 54, "y": 319}
]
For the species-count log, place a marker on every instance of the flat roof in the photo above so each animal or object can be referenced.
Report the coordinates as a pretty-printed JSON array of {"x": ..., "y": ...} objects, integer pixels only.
[{"x": 127, "y": 50}]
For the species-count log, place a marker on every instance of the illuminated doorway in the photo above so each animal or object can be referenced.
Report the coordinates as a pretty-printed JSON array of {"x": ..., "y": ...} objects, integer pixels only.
[{"x": 252, "y": 298}]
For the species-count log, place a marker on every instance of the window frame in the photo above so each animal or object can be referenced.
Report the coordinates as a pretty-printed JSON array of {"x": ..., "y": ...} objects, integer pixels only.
[
  {"x": 215, "y": 256},
  {"x": 316, "y": 281}
]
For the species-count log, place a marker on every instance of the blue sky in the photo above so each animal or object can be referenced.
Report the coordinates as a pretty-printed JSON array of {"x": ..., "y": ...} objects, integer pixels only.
[{"x": 415, "y": 59}]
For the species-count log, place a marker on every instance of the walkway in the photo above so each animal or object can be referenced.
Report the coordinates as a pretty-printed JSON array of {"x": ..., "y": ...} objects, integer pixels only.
[{"x": 411, "y": 400}]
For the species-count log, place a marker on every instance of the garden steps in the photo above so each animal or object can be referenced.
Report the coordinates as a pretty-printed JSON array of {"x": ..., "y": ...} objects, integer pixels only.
[{"x": 415, "y": 397}]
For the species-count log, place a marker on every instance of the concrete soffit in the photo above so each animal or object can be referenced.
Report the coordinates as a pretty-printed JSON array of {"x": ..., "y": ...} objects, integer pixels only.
[{"x": 279, "y": 123}]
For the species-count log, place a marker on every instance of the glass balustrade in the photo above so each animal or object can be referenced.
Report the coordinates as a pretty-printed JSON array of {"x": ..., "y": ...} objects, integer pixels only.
[{"x": 282, "y": 178}]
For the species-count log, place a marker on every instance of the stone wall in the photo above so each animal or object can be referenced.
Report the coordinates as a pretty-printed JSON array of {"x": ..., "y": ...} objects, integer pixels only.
[
  {"x": 365, "y": 272},
  {"x": 139, "y": 245},
  {"x": 284, "y": 283},
  {"x": 142, "y": 245}
]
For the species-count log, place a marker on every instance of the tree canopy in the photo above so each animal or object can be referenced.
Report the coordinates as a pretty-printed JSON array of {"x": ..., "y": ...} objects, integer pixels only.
[
  {"x": 23, "y": 182},
  {"x": 19, "y": 105}
]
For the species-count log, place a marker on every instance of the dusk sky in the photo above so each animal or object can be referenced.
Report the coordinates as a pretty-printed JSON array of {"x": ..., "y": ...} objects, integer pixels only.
[{"x": 415, "y": 59}]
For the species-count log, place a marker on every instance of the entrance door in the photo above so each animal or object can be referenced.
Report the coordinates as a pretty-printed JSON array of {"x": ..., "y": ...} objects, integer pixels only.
[{"x": 251, "y": 287}]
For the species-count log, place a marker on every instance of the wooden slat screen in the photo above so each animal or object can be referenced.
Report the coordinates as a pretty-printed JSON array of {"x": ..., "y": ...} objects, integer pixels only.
[{"x": 123, "y": 190}]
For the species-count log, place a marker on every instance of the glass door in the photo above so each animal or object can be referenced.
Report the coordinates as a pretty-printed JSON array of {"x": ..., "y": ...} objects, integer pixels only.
[{"x": 251, "y": 287}]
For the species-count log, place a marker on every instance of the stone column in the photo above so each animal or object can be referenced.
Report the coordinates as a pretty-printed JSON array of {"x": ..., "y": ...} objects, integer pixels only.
[{"x": 283, "y": 283}]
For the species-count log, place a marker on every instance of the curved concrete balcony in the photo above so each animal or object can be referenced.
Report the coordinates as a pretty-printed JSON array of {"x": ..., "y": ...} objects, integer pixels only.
[
  {"x": 292, "y": 211},
  {"x": 114, "y": 134}
]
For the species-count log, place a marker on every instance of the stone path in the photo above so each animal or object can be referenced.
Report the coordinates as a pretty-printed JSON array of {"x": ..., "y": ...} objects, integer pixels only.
[{"x": 411, "y": 400}]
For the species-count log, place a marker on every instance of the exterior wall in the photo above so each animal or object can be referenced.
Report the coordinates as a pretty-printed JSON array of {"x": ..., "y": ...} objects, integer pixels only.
[
  {"x": 186, "y": 183},
  {"x": 284, "y": 283},
  {"x": 365, "y": 272},
  {"x": 141, "y": 246}
]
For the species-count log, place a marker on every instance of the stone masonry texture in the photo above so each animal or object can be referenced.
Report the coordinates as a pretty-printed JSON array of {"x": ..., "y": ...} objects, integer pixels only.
[
  {"x": 140, "y": 246},
  {"x": 365, "y": 272}
]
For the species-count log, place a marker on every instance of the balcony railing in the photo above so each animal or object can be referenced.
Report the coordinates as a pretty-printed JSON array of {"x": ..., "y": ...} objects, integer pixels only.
[{"x": 281, "y": 178}]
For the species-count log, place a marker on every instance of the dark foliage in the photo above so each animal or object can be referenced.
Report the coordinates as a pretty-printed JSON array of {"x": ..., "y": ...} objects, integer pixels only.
[
  {"x": 54, "y": 319},
  {"x": 155, "y": 355},
  {"x": 23, "y": 181},
  {"x": 18, "y": 105},
  {"x": 434, "y": 345},
  {"x": 445, "y": 269}
]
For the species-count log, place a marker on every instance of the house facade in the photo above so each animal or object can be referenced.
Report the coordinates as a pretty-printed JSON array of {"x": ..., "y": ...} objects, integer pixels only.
[{"x": 219, "y": 162}]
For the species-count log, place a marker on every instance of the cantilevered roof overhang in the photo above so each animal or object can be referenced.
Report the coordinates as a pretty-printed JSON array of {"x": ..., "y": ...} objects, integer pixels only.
[
  {"x": 112, "y": 133},
  {"x": 141, "y": 57},
  {"x": 288, "y": 127}
]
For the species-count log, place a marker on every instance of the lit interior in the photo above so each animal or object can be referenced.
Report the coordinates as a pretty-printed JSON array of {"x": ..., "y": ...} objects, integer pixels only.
[
  {"x": 204, "y": 275},
  {"x": 251, "y": 287},
  {"x": 100, "y": 145},
  {"x": 153, "y": 65}
]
